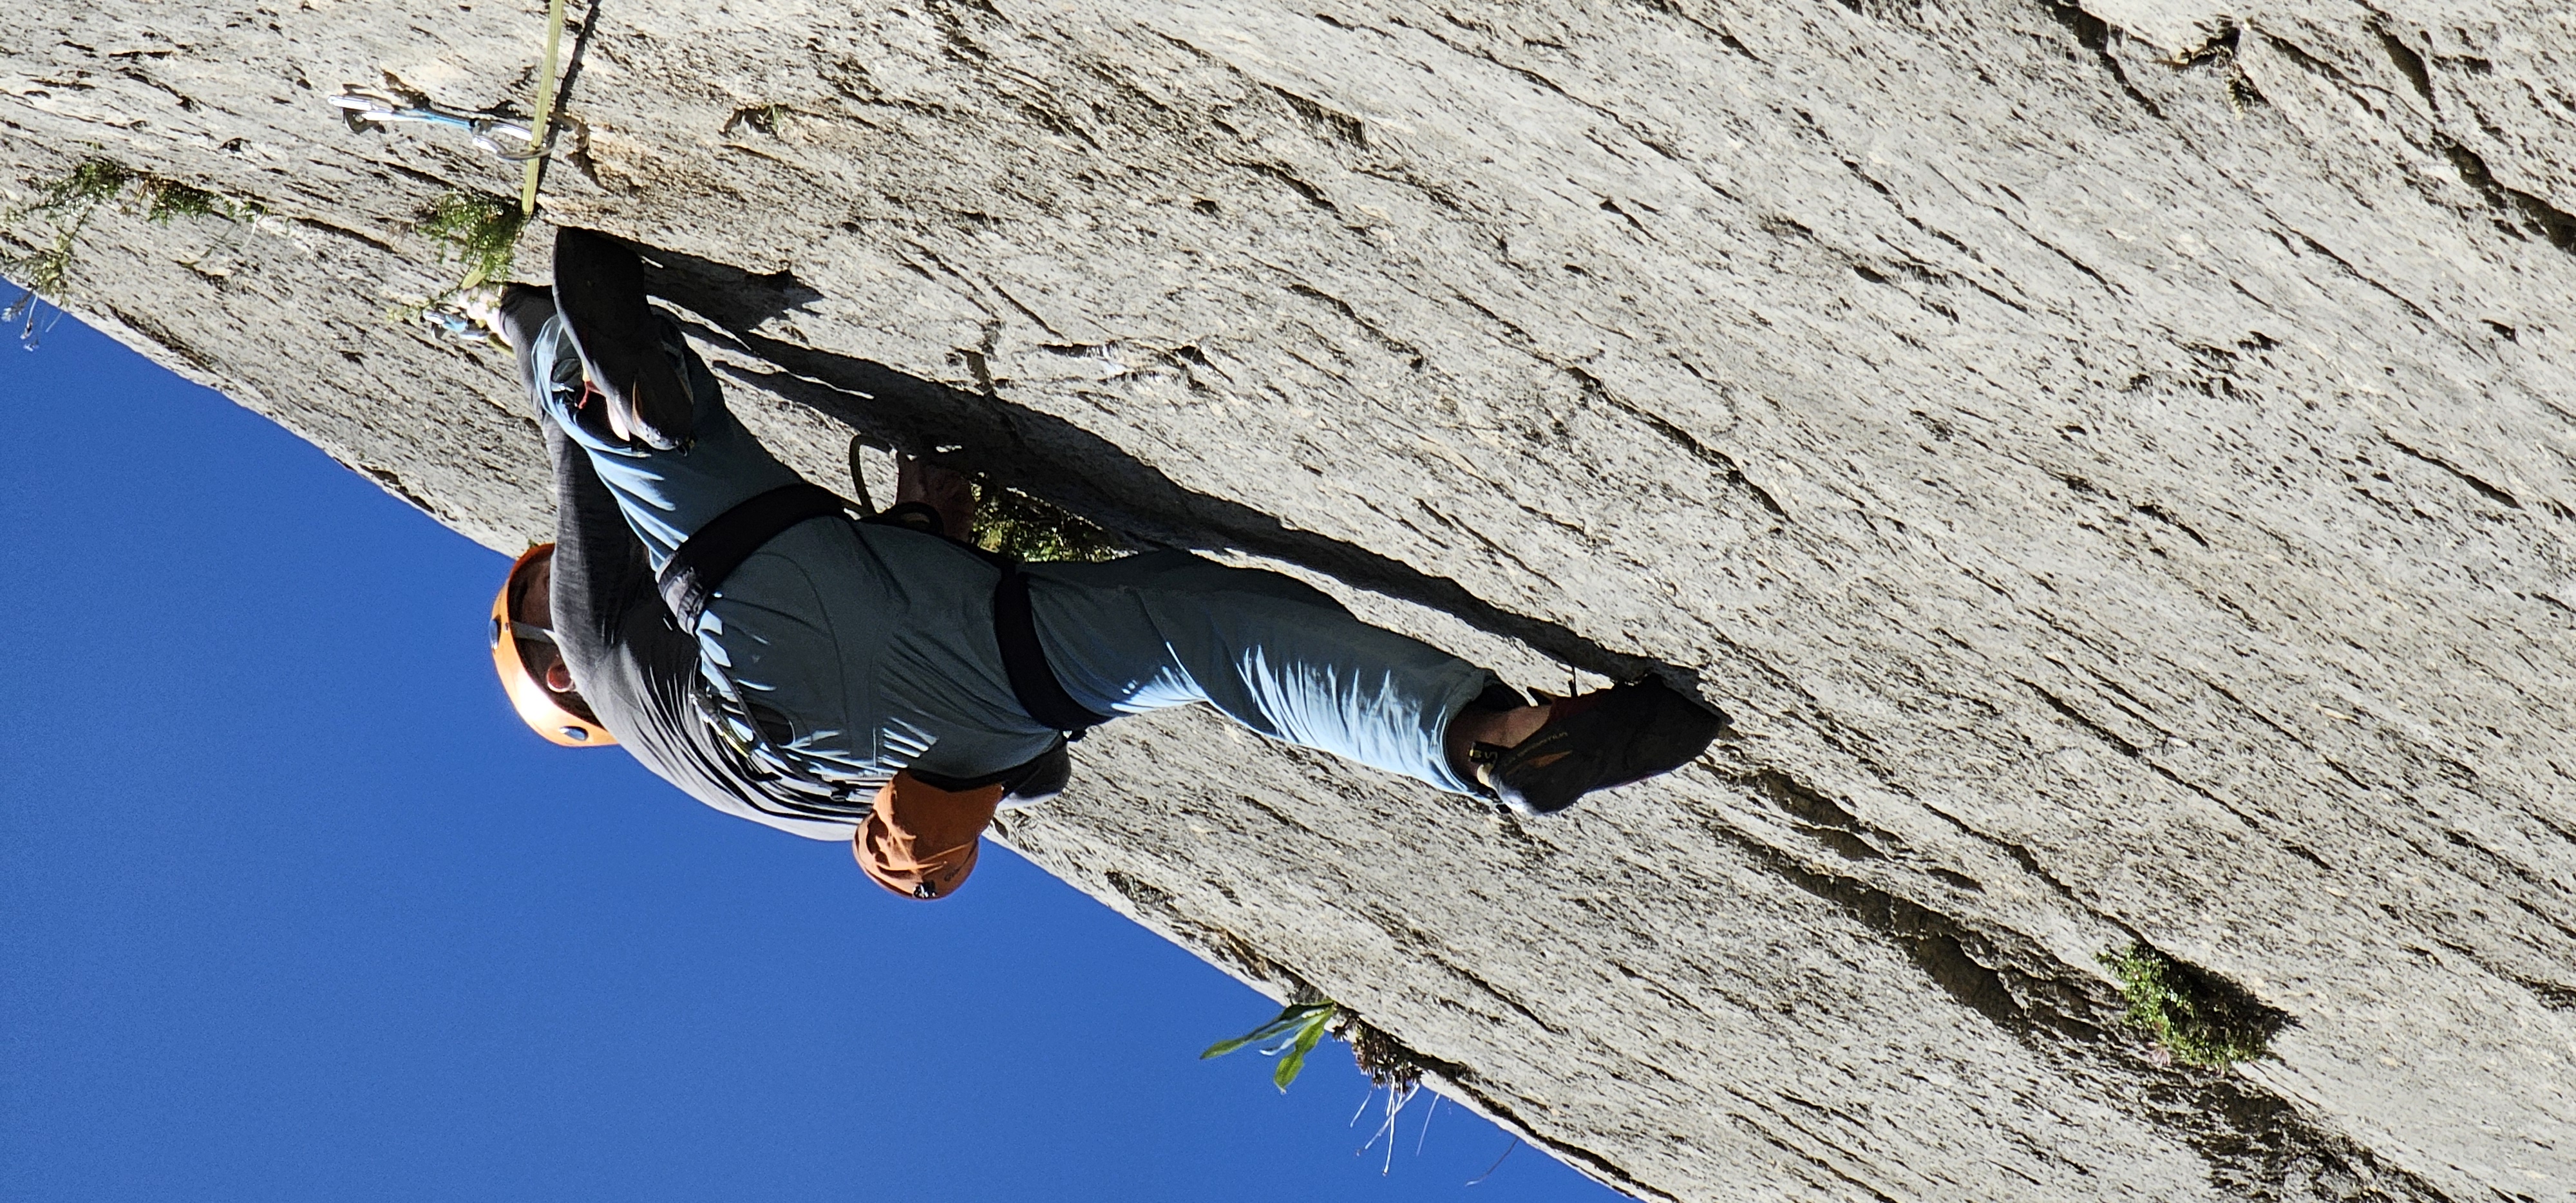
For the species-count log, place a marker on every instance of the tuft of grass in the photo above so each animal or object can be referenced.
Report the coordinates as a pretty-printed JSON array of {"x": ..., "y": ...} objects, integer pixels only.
[
  {"x": 1299, "y": 1027},
  {"x": 1289, "y": 1036},
  {"x": 1022, "y": 527},
  {"x": 1390, "y": 1066},
  {"x": 477, "y": 231},
  {"x": 68, "y": 202},
  {"x": 2198, "y": 1018}
]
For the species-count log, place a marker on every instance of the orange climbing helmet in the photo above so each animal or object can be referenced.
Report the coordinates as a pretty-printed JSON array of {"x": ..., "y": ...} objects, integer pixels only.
[{"x": 535, "y": 703}]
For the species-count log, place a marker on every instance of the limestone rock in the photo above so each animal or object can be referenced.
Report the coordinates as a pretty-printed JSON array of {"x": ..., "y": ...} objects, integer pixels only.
[{"x": 2115, "y": 462}]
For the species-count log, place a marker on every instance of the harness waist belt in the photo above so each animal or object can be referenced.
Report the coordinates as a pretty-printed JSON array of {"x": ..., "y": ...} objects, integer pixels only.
[
  {"x": 701, "y": 563},
  {"x": 705, "y": 559}
]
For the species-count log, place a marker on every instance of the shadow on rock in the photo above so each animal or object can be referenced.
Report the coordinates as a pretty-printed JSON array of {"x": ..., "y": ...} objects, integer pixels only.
[{"x": 1061, "y": 462}]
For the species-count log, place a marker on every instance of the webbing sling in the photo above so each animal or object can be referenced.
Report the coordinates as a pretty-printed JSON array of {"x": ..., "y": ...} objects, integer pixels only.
[{"x": 701, "y": 563}]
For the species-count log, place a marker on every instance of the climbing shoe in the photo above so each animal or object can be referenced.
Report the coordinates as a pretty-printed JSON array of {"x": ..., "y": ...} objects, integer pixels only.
[
  {"x": 1606, "y": 738},
  {"x": 599, "y": 290}
]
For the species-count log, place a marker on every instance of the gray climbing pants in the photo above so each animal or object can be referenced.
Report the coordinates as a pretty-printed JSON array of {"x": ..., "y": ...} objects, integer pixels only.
[{"x": 865, "y": 648}]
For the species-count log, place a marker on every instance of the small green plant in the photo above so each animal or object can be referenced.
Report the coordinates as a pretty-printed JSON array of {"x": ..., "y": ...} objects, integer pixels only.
[
  {"x": 766, "y": 118},
  {"x": 1289, "y": 1036},
  {"x": 1390, "y": 1066},
  {"x": 2199, "y": 1019},
  {"x": 166, "y": 199},
  {"x": 1022, "y": 527},
  {"x": 69, "y": 201},
  {"x": 1299, "y": 1027},
  {"x": 475, "y": 230}
]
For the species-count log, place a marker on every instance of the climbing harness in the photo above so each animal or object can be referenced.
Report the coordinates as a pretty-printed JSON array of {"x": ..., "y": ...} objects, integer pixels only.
[
  {"x": 375, "y": 108},
  {"x": 699, "y": 566}
]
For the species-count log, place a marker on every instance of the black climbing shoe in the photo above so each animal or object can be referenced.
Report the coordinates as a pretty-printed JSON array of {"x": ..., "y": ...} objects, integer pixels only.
[
  {"x": 599, "y": 290},
  {"x": 1606, "y": 738}
]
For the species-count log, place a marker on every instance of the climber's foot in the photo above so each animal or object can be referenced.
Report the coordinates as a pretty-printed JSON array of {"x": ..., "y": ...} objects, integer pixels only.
[
  {"x": 599, "y": 290},
  {"x": 1606, "y": 738}
]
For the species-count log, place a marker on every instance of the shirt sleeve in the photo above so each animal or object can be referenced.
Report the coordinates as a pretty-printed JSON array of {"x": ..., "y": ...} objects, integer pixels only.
[
  {"x": 600, "y": 572},
  {"x": 599, "y": 566}
]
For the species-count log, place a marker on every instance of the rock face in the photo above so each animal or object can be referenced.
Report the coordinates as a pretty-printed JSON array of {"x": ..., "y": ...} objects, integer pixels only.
[{"x": 2117, "y": 463}]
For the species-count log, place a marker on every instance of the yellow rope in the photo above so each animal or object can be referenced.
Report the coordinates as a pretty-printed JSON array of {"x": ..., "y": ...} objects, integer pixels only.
[{"x": 543, "y": 126}]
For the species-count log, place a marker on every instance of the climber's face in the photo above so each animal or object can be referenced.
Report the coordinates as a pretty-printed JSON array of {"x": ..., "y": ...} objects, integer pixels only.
[{"x": 535, "y": 606}]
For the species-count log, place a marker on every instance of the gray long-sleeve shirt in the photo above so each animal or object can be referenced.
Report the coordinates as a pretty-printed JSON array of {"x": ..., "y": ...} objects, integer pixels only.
[{"x": 639, "y": 671}]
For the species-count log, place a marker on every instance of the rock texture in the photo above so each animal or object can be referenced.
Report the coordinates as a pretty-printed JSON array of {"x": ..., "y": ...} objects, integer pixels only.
[{"x": 2117, "y": 463}]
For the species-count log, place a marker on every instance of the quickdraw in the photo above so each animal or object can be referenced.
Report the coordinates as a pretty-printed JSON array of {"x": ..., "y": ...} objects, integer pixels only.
[{"x": 363, "y": 109}]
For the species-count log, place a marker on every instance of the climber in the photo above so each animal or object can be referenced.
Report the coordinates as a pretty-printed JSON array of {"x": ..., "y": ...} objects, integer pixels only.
[{"x": 726, "y": 622}]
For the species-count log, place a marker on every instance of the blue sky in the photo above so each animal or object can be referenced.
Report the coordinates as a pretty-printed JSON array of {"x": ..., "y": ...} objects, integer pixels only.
[{"x": 295, "y": 909}]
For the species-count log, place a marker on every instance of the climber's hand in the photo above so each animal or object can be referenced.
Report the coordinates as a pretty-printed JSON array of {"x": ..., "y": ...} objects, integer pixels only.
[{"x": 942, "y": 489}]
